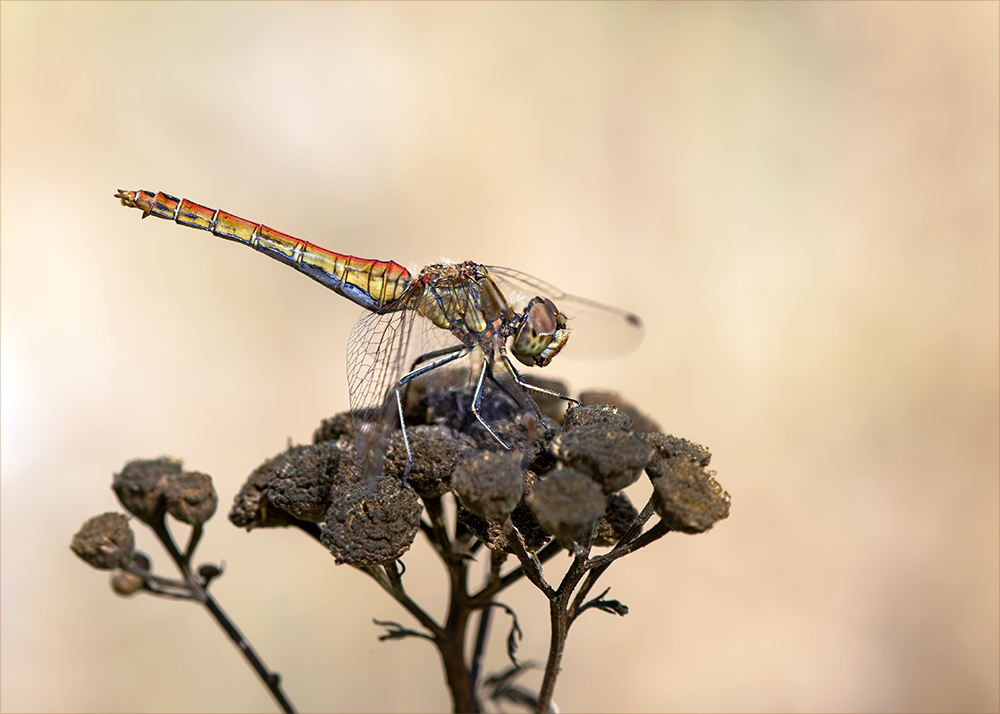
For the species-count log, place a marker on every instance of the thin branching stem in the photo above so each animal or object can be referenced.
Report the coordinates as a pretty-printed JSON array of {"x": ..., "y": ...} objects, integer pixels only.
[
  {"x": 389, "y": 579},
  {"x": 195, "y": 587},
  {"x": 494, "y": 586},
  {"x": 659, "y": 530},
  {"x": 482, "y": 637}
]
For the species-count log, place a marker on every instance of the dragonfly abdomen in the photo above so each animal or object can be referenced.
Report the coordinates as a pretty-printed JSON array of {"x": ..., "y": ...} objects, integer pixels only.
[{"x": 371, "y": 283}]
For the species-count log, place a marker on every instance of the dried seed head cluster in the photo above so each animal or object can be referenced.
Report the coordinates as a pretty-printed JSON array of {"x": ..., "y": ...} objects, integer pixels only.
[
  {"x": 560, "y": 484},
  {"x": 567, "y": 503},
  {"x": 148, "y": 488}
]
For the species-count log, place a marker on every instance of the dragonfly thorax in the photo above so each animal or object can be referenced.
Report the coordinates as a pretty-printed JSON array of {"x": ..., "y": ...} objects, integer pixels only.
[{"x": 461, "y": 298}]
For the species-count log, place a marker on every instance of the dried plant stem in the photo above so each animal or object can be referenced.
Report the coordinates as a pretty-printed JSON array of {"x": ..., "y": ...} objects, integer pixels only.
[{"x": 197, "y": 591}]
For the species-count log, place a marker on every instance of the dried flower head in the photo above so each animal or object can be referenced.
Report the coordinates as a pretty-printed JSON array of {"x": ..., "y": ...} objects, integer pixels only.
[
  {"x": 105, "y": 542},
  {"x": 490, "y": 484},
  {"x": 252, "y": 506},
  {"x": 303, "y": 477},
  {"x": 435, "y": 456},
  {"x": 686, "y": 495},
  {"x": 190, "y": 497},
  {"x": 615, "y": 522},
  {"x": 666, "y": 446},
  {"x": 602, "y": 414},
  {"x": 641, "y": 423},
  {"x": 139, "y": 486},
  {"x": 567, "y": 503},
  {"x": 362, "y": 528},
  {"x": 614, "y": 458},
  {"x": 335, "y": 427}
]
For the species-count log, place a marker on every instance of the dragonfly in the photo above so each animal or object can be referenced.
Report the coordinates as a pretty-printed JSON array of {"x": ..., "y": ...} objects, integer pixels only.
[{"x": 417, "y": 324}]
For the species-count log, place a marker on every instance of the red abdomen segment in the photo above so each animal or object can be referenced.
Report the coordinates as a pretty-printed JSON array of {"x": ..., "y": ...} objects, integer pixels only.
[{"x": 373, "y": 284}]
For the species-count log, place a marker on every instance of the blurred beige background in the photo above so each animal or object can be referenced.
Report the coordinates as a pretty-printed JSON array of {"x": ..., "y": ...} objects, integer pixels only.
[{"x": 801, "y": 200}]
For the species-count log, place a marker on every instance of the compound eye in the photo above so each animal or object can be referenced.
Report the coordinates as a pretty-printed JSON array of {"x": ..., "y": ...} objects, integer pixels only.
[{"x": 543, "y": 322}]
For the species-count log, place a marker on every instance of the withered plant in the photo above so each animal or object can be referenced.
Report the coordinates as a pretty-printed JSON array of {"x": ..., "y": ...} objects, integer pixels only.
[{"x": 559, "y": 489}]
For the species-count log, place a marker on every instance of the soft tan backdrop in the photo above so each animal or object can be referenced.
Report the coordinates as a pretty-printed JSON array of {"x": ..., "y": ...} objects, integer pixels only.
[{"x": 800, "y": 200}]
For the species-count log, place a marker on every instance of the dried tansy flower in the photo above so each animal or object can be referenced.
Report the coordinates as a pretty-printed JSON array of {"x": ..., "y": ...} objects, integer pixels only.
[
  {"x": 303, "y": 477},
  {"x": 139, "y": 486},
  {"x": 335, "y": 427},
  {"x": 252, "y": 506},
  {"x": 597, "y": 415},
  {"x": 666, "y": 446},
  {"x": 612, "y": 457},
  {"x": 490, "y": 484},
  {"x": 567, "y": 503},
  {"x": 434, "y": 458},
  {"x": 105, "y": 542},
  {"x": 365, "y": 528},
  {"x": 190, "y": 497},
  {"x": 686, "y": 495},
  {"x": 617, "y": 518}
]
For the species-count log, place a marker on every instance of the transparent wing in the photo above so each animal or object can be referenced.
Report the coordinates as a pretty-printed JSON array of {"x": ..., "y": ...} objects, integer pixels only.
[
  {"x": 596, "y": 330},
  {"x": 373, "y": 366},
  {"x": 380, "y": 351}
]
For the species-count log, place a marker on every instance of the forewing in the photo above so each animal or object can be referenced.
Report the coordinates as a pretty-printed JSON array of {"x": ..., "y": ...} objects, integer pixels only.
[
  {"x": 374, "y": 353},
  {"x": 381, "y": 350}
]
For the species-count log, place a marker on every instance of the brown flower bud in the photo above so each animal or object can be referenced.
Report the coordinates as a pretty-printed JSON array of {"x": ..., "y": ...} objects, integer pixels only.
[
  {"x": 566, "y": 503},
  {"x": 434, "y": 459},
  {"x": 490, "y": 484},
  {"x": 615, "y": 522},
  {"x": 190, "y": 497},
  {"x": 105, "y": 542},
  {"x": 686, "y": 495},
  {"x": 365, "y": 528},
  {"x": 612, "y": 457},
  {"x": 125, "y": 583},
  {"x": 139, "y": 488},
  {"x": 208, "y": 572}
]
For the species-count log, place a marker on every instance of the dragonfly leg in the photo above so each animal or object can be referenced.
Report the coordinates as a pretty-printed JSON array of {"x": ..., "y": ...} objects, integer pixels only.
[
  {"x": 438, "y": 353},
  {"x": 431, "y": 356},
  {"x": 453, "y": 353},
  {"x": 534, "y": 388},
  {"x": 478, "y": 397},
  {"x": 406, "y": 440}
]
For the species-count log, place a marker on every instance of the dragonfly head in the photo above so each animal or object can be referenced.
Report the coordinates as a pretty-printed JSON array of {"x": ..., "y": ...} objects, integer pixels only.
[{"x": 540, "y": 333}]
